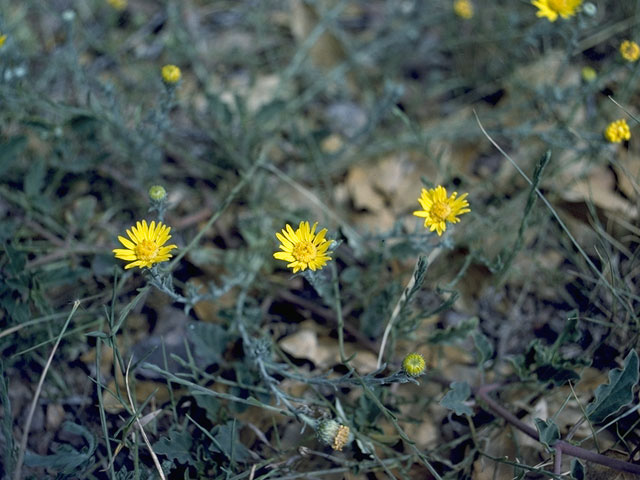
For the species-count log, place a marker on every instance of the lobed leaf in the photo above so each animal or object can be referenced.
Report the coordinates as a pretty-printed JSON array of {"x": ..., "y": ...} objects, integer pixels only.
[{"x": 611, "y": 397}]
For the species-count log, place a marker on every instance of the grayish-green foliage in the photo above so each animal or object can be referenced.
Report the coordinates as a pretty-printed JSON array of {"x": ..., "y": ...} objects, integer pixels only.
[
  {"x": 618, "y": 392},
  {"x": 455, "y": 398}
]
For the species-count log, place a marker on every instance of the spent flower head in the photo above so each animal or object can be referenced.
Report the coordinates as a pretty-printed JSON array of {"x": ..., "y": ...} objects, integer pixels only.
[
  {"x": 437, "y": 208},
  {"x": 334, "y": 434},
  {"x": 463, "y": 9},
  {"x": 171, "y": 74},
  {"x": 551, "y": 9},
  {"x": 145, "y": 245},
  {"x": 617, "y": 131},
  {"x": 630, "y": 50},
  {"x": 303, "y": 248},
  {"x": 413, "y": 365}
]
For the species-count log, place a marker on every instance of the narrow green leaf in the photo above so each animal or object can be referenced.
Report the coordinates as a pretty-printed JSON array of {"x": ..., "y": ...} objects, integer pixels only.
[
  {"x": 97, "y": 334},
  {"x": 34, "y": 179},
  {"x": 611, "y": 397},
  {"x": 484, "y": 348},
  {"x": 455, "y": 398},
  {"x": 10, "y": 151},
  {"x": 457, "y": 332}
]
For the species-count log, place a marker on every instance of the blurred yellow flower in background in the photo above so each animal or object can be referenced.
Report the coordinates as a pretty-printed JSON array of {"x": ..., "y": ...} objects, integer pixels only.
[
  {"x": 552, "y": 8},
  {"x": 171, "y": 74},
  {"x": 463, "y": 8},
  {"x": 617, "y": 131},
  {"x": 118, "y": 4},
  {"x": 589, "y": 74},
  {"x": 630, "y": 50}
]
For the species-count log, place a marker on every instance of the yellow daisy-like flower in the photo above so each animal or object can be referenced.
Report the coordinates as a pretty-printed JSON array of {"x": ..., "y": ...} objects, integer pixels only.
[
  {"x": 617, "y": 131},
  {"x": 171, "y": 74},
  {"x": 552, "y": 8},
  {"x": 463, "y": 9},
  {"x": 303, "y": 248},
  {"x": 630, "y": 50},
  {"x": 118, "y": 4},
  {"x": 3, "y": 38},
  {"x": 439, "y": 209},
  {"x": 146, "y": 245},
  {"x": 413, "y": 365}
]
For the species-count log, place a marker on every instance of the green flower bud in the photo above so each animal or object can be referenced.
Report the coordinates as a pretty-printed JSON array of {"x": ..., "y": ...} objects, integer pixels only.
[
  {"x": 157, "y": 193},
  {"x": 413, "y": 365}
]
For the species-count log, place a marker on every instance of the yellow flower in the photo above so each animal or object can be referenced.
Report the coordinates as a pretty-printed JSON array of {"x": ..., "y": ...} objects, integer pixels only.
[
  {"x": 617, "y": 131},
  {"x": 552, "y": 8},
  {"x": 630, "y": 50},
  {"x": 463, "y": 8},
  {"x": 171, "y": 74},
  {"x": 413, "y": 365},
  {"x": 303, "y": 248},
  {"x": 118, "y": 4},
  {"x": 3, "y": 38},
  {"x": 146, "y": 245},
  {"x": 438, "y": 209}
]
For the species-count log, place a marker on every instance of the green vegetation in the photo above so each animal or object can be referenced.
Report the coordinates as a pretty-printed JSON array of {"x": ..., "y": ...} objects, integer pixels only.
[{"x": 232, "y": 121}]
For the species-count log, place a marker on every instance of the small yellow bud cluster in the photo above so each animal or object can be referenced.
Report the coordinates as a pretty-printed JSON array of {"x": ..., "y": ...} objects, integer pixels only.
[{"x": 617, "y": 131}]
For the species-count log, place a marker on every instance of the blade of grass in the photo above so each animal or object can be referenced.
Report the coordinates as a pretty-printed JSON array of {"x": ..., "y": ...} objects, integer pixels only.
[{"x": 27, "y": 424}]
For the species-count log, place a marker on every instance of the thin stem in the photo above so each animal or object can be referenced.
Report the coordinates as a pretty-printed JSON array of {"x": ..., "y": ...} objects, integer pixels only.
[
  {"x": 557, "y": 461},
  {"x": 156, "y": 462},
  {"x": 103, "y": 417},
  {"x": 575, "y": 243},
  {"x": 338, "y": 307},
  {"x": 225, "y": 204},
  {"x": 27, "y": 425},
  {"x": 572, "y": 450},
  {"x": 396, "y": 311}
]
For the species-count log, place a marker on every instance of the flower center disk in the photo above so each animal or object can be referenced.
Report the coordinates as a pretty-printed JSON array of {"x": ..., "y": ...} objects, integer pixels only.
[
  {"x": 146, "y": 250},
  {"x": 440, "y": 210},
  {"x": 558, "y": 6},
  {"x": 304, "y": 252}
]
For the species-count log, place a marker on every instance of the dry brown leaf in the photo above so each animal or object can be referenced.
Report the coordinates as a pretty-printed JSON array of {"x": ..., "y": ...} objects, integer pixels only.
[
  {"x": 599, "y": 187},
  {"x": 143, "y": 388},
  {"x": 627, "y": 168},
  {"x": 54, "y": 416}
]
